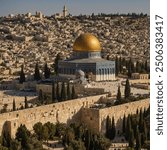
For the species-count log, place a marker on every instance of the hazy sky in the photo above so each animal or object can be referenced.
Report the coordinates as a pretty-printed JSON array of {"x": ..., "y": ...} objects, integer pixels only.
[{"x": 75, "y": 7}]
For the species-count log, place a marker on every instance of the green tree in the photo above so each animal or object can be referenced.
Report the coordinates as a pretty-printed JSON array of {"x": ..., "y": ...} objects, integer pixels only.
[
  {"x": 116, "y": 66},
  {"x": 119, "y": 94},
  {"x": 130, "y": 65},
  {"x": 69, "y": 136},
  {"x": 87, "y": 139},
  {"x": 37, "y": 73},
  {"x": 26, "y": 102},
  {"x": 53, "y": 92},
  {"x": 68, "y": 91},
  {"x": 120, "y": 65},
  {"x": 141, "y": 120},
  {"x": 138, "y": 140},
  {"x": 108, "y": 127},
  {"x": 138, "y": 67},
  {"x": 45, "y": 133},
  {"x": 40, "y": 96},
  {"x": 56, "y": 63},
  {"x": 131, "y": 139},
  {"x": 146, "y": 66},
  {"x": 73, "y": 94},
  {"x": 15, "y": 145},
  {"x": 57, "y": 92},
  {"x": 128, "y": 128},
  {"x": 113, "y": 129},
  {"x": 51, "y": 130},
  {"x": 46, "y": 71},
  {"x": 124, "y": 124},
  {"x": 129, "y": 72},
  {"x": 22, "y": 75},
  {"x": 77, "y": 145},
  {"x": 144, "y": 134},
  {"x": 127, "y": 89},
  {"x": 38, "y": 130},
  {"x": 14, "y": 105},
  {"x": 23, "y": 135},
  {"x": 6, "y": 139},
  {"x": 63, "y": 92}
]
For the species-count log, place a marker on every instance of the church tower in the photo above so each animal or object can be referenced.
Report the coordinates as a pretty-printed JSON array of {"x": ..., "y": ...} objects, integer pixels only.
[{"x": 65, "y": 12}]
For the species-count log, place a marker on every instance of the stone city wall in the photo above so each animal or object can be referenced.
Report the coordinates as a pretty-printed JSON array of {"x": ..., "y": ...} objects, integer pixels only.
[
  {"x": 118, "y": 113},
  {"x": 95, "y": 118},
  {"x": 64, "y": 112}
]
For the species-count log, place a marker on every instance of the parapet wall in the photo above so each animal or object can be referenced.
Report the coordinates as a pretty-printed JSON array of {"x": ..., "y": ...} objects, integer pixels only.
[{"x": 64, "y": 112}]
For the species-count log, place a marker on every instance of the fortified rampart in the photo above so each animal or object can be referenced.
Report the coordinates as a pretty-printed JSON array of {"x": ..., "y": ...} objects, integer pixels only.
[
  {"x": 95, "y": 118},
  {"x": 65, "y": 112}
]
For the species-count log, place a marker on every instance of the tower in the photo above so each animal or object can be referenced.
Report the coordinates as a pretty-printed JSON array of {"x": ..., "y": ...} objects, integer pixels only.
[{"x": 65, "y": 12}]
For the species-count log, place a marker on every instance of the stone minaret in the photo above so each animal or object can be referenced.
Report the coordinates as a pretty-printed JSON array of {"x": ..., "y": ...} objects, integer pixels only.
[{"x": 65, "y": 12}]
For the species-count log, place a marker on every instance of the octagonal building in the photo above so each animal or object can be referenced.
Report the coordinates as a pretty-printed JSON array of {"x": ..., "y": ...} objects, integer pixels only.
[{"x": 87, "y": 57}]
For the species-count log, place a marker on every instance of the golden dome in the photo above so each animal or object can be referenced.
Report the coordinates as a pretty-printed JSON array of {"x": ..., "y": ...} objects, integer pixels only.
[{"x": 87, "y": 42}]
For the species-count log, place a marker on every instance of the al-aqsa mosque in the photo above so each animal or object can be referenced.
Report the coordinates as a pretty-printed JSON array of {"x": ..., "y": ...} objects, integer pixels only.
[{"x": 87, "y": 58}]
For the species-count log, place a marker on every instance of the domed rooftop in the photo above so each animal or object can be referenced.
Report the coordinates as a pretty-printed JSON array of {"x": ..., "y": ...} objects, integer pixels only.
[
  {"x": 80, "y": 73},
  {"x": 87, "y": 43}
]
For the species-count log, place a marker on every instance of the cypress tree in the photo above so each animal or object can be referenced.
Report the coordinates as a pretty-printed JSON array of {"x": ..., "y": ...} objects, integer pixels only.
[
  {"x": 40, "y": 96},
  {"x": 144, "y": 131},
  {"x": 141, "y": 121},
  {"x": 123, "y": 62},
  {"x": 37, "y": 73},
  {"x": 127, "y": 89},
  {"x": 46, "y": 71},
  {"x": 124, "y": 124},
  {"x": 119, "y": 94},
  {"x": 73, "y": 95},
  {"x": 53, "y": 92},
  {"x": 63, "y": 92},
  {"x": 68, "y": 91},
  {"x": 108, "y": 127},
  {"x": 14, "y": 105},
  {"x": 130, "y": 68},
  {"x": 116, "y": 66},
  {"x": 26, "y": 103},
  {"x": 57, "y": 92},
  {"x": 129, "y": 71},
  {"x": 128, "y": 128},
  {"x": 56, "y": 63},
  {"x": 137, "y": 111},
  {"x": 138, "y": 140},
  {"x": 120, "y": 65},
  {"x": 22, "y": 75},
  {"x": 87, "y": 139},
  {"x": 113, "y": 129},
  {"x": 138, "y": 67},
  {"x": 131, "y": 139}
]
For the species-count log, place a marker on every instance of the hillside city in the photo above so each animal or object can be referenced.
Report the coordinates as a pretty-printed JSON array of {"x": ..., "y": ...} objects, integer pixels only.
[
  {"x": 42, "y": 108},
  {"x": 26, "y": 38}
]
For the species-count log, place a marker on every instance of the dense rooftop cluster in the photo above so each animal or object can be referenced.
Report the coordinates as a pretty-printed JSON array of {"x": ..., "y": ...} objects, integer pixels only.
[{"x": 26, "y": 39}]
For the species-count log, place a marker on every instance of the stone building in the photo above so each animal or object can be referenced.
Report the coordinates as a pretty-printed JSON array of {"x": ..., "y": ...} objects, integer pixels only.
[
  {"x": 141, "y": 76},
  {"x": 87, "y": 57}
]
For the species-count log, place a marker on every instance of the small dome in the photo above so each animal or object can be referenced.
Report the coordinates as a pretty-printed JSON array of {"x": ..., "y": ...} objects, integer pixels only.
[
  {"x": 80, "y": 73},
  {"x": 87, "y": 42}
]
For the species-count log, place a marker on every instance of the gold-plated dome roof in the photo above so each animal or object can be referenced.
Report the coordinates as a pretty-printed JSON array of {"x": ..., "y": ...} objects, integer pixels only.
[{"x": 87, "y": 42}]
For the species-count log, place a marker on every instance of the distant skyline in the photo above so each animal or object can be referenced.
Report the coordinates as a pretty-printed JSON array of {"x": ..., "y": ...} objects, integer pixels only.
[{"x": 75, "y": 7}]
